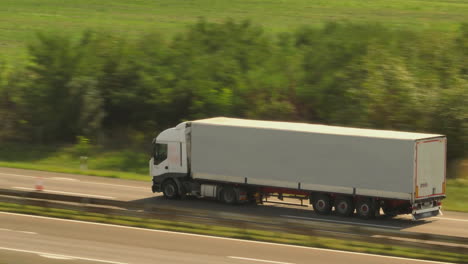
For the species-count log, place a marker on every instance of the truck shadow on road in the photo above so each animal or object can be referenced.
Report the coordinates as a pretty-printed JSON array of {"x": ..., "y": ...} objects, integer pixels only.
[{"x": 277, "y": 210}]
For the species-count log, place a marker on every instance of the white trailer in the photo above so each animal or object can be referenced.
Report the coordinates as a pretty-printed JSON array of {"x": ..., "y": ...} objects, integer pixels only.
[{"x": 340, "y": 168}]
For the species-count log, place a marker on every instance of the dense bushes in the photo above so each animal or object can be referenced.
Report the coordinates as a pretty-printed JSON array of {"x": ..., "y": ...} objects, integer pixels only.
[{"x": 103, "y": 86}]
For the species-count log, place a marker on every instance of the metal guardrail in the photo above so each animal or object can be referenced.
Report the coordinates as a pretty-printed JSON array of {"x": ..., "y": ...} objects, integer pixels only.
[{"x": 297, "y": 226}]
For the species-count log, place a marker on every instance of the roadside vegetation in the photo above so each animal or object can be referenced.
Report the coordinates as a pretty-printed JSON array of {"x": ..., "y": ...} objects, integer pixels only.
[
  {"x": 124, "y": 163},
  {"x": 118, "y": 92},
  {"x": 239, "y": 233},
  {"x": 457, "y": 195}
]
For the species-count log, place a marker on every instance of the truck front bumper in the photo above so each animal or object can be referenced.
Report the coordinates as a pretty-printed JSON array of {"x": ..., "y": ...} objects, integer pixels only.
[{"x": 156, "y": 185}]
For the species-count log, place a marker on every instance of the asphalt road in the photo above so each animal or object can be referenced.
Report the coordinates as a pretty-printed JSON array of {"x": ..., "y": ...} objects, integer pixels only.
[
  {"x": 451, "y": 223},
  {"x": 33, "y": 239}
]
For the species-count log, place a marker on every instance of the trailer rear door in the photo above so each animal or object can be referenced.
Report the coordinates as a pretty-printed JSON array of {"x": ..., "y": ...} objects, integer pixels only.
[{"x": 430, "y": 168}]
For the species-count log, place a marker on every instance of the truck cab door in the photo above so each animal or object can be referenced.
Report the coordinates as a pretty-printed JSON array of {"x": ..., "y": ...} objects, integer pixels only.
[{"x": 160, "y": 163}]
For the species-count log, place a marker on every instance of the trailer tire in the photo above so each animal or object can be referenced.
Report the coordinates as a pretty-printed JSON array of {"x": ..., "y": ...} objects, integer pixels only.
[
  {"x": 344, "y": 206},
  {"x": 365, "y": 209},
  {"x": 228, "y": 195},
  {"x": 170, "y": 189},
  {"x": 322, "y": 204}
]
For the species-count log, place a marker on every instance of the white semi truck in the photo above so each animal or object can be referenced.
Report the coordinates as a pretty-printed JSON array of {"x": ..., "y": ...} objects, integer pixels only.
[{"x": 336, "y": 168}]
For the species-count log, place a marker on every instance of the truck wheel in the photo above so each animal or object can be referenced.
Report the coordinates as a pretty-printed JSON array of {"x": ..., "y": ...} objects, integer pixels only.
[
  {"x": 228, "y": 195},
  {"x": 365, "y": 209},
  {"x": 344, "y": 206},
  {"x": 321, "y": 204},
  {"x": 169, "y": 189}
]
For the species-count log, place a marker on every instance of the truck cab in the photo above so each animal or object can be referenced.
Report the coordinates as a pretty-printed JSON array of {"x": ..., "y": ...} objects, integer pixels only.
[{"x": 169, "y": 156}]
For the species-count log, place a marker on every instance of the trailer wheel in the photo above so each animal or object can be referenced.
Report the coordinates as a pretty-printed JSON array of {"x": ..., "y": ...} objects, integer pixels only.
[
  {"x": 228, "y": 195},
  {"x": 344, "y": 206},
  {"x": 170, "y": 189},
  {"x": 321, "y": 204},
  {"x": 365, "y": 209}
]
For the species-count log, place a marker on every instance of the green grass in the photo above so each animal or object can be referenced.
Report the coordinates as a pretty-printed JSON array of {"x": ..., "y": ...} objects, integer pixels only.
[
  {"x": 457, "y": 189},
  {"x": 22, "y": 18},
  {"x": 457, "y": 195},
  {"x": 248, "y": 234},
  {"x": 124, "y": 164},
  {"x": 64, "y": 169}
]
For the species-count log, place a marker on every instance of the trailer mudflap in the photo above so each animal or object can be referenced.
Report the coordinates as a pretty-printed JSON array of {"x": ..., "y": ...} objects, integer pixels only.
[{"x": 424, "y": 213}]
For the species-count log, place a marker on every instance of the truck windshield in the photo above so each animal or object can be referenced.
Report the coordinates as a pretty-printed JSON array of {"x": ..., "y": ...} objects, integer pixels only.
[{"x": 160, "y": 153}]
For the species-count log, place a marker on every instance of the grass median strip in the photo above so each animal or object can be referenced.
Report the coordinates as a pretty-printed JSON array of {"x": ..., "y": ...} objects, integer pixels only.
[
  {"x": 240, "y": 233},
  {"x": 75, "y": 170}
]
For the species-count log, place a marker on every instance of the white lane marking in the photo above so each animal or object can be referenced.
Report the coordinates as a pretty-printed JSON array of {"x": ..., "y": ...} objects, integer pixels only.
[
  {"x": 28, "y": 232},
  {"x": 25, "y": 232},
  {"x": 116, "y": 185},
  {"x": 73, "y": 193},
  {"x": 451, "y": 219},
  {"x": 53, "y": 256},
  {"x": 62, "y": 256},
  {"x": 339, "y": 222},
  {"x": 18, "y": 175},
  {"x": 224, "y": 238},
  {"x": 63, "y": 179},
  {"x": 260, "y": 260},
  {"x": 89, "y": 182}
]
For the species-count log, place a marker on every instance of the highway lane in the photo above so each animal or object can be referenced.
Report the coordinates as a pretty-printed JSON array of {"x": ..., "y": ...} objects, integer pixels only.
[
  {"x": 98, "y": 187},
  {"x": 451, "y": 223},
  {"x": 33, "y": 239}
]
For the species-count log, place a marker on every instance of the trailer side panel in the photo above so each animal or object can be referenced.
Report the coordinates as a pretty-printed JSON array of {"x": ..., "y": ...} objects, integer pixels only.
[{"x": 310, "y": 161}]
